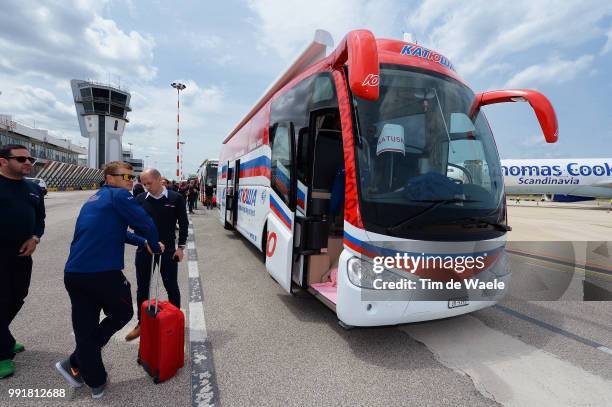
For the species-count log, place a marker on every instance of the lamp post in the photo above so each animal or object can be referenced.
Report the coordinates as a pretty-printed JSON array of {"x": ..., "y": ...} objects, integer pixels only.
[
  {"x": 182, "y": 143},
  {"x": 130, "y": 144},
  {"x": 146, "y": 159},
  {"x": 179, "y": 87}
]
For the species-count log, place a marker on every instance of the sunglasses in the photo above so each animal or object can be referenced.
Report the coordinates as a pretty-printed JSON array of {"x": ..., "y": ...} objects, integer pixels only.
[
  {"x": 21, "y": 159},
  {"x": 126, "y": 177}
]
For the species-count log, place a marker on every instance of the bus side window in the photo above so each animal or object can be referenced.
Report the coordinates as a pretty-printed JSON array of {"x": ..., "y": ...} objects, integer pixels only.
[
  {"x": 281, "y": 162},
  {"x": 302, "y": 163}
]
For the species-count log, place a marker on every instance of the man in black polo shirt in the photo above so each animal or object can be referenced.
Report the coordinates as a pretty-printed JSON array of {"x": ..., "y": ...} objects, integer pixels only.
[
  {"x": 22, "y": 223},
  {"x": 166, "y": 207}
]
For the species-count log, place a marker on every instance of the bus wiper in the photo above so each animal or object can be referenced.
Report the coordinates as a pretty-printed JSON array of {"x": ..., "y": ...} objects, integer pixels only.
[
  {"x": 474, "y": 222},
  {"x": 436, "y": 204}
]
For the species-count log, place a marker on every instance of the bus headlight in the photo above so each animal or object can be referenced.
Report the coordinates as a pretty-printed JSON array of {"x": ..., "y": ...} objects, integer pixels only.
[{"x": 360, "y": 272}]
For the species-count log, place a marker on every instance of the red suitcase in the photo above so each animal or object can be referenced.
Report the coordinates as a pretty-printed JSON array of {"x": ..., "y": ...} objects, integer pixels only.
[{"x": 162, "y": 336}]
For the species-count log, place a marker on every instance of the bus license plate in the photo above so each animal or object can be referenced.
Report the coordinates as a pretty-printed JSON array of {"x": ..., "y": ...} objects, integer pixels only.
[{"x": 458, "y": 303}]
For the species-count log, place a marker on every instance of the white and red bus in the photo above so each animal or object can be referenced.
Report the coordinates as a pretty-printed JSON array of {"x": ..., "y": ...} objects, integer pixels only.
[{"x": 377, "y": 147}]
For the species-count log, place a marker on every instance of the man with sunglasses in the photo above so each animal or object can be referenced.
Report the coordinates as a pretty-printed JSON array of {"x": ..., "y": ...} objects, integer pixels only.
[
  {"x": 167, "y": 208},
  {"x": 93, "y": 274},
  {"x": 21, "y": 225}
]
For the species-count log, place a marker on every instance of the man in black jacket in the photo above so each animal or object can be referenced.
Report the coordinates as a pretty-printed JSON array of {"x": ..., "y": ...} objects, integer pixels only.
[
  {"x": 22, "y": 223},
  {"x": 166, "y": 208},
  {"x": 208, "y": 192},
  {"x": 192, "y": 195}
]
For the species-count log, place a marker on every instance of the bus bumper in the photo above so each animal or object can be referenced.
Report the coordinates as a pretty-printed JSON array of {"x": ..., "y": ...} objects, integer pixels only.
[{"x": 354, "y": 310}]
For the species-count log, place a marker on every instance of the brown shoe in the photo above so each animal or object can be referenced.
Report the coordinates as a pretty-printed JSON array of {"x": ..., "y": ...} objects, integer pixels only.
[{"x": 135, "y": 333}]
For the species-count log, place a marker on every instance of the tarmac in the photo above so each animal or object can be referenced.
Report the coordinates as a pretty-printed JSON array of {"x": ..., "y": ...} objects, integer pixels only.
[{"x": 262, "y": 346}]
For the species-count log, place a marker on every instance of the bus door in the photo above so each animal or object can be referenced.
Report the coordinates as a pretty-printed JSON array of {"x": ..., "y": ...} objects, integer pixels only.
[
  {"x": 236, "y": 194},
  {"x": 280, "y": 220},
  {"x": 230, "y": 194}
]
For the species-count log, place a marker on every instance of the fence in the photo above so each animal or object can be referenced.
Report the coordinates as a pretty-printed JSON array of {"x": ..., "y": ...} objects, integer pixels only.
[{"x": 65, "y": 177}]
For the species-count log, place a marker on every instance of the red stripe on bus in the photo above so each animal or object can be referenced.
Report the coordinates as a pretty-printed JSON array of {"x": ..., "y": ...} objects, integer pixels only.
[{"x": 280, "y": 216}]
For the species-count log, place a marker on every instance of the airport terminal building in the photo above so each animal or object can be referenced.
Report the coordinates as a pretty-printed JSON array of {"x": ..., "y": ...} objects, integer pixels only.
[
  {"x": 58, "y": 161},
  {"x": 41, "y": 145},
  {"x": 137, "y": 163}
]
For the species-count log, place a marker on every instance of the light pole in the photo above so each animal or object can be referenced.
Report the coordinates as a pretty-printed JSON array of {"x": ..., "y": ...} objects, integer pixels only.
[
  {"x": 179, "y": 87},
  {"x": 182, "y": 143},
  {"x": 146, "y": 159},
  {"x": 130, "y": 144}
]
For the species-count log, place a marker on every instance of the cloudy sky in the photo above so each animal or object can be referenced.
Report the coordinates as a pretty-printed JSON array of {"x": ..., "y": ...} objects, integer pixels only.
[{"x": 228, "y": 52}]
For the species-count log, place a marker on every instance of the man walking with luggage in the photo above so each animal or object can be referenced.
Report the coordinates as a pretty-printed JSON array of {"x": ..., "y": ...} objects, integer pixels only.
[
  {"x": 166, "y": 208},
  {"x": 93, "y": 273},
  {"x": 21, "y": 225}
]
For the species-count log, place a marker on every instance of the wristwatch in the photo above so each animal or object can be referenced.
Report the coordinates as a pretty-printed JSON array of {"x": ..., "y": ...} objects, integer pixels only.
[{"x": 36, "y": 239}]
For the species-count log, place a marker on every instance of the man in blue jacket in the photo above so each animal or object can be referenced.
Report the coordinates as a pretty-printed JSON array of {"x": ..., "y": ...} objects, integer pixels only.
[{"x": 93, "y": 273}]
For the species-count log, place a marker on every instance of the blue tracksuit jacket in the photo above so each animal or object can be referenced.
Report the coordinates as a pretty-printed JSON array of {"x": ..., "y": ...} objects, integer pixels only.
[{"x": 101, "y": 231}]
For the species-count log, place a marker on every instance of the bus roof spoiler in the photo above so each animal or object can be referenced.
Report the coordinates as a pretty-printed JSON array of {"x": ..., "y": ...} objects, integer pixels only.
[{"x": 314, "y": 52}]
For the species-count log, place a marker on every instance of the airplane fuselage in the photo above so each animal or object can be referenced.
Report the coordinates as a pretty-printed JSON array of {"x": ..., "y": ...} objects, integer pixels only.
[{"x": 588, "y": 177}]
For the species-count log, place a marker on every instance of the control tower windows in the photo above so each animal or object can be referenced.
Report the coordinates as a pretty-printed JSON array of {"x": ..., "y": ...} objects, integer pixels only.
[
  {"x": 100, "y": 93},
  {"x": 117, "y": 97},
  {"x": 116, "y": 111},
  {"x": 86, "y": 92}
]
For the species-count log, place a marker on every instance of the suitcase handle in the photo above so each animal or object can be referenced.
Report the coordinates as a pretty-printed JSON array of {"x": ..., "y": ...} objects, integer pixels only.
[{"x": 156, "y": 264}]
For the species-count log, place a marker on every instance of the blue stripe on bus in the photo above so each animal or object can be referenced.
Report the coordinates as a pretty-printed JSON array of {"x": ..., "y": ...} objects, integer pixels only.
[
  {"x": 280, "y": 211},
  {"x": 262, "y": 161},
  {"x": 282, "y": 177},
  {"x": 383, "y": 251},
  {"x": 300, "y": 195}
]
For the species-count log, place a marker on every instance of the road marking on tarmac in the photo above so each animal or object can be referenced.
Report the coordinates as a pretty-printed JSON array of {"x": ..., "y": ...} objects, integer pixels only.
[
  {"x": 554, "y": 329},
  {"x": 192, "y": 265},
  {"x": 508, "y": 370},
  {"x": 204, "y": 391}
]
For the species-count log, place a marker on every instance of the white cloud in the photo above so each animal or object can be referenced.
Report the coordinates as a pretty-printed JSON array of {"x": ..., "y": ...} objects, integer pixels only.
[
  {"x": 71, "y": 39},
  {"x": 553, "y": 71},
  {"x": 113, "y": 45},
  {"x": 474, "y": 36},
  {"x": 608, "y": 45},
  {"x": 33, "y": 103},
  {"x": 206, "y": 118},
  {"x": 285, "y": 27}
]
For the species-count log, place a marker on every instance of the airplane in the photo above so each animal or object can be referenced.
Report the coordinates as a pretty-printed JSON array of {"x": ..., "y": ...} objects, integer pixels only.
[{"x": 560, "y": 180}]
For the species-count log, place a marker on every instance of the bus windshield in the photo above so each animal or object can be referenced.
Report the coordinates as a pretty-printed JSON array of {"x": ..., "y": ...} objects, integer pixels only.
[{"x": 423, "y": 163}]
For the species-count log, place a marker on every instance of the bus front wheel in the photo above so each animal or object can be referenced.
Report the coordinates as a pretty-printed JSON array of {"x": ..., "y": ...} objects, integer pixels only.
[{"x": 345, "y": 326}]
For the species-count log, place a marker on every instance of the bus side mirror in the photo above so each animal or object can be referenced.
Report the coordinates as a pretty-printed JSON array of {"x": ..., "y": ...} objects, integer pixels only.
[
  {"x": 540, "y": 104},
  {"x": 358, "y": 50}
]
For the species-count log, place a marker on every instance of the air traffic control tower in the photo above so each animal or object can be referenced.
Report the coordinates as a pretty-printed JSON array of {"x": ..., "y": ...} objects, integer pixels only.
[{"x": 102, "y": 113}]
